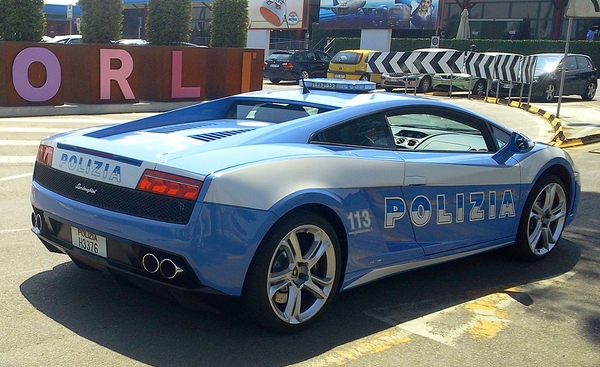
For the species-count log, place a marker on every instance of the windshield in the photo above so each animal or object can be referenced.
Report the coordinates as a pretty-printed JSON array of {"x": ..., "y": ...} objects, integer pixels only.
[
  {"x": 347, "y": 57},
  {"x": 546, "y": 64},
  {"x": 279, "y": 57}
]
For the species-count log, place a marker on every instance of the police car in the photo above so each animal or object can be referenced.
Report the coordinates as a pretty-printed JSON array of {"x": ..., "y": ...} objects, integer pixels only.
[{"x": 285, "y": 198}]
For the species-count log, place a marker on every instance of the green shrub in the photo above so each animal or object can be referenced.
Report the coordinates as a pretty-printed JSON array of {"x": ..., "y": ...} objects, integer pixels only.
[
  {"x": 101, "y": 20},
  {"x": 229, "y": 24},
  {"x": 169, "y": 21},
  {"x": 22, "y": 20}
]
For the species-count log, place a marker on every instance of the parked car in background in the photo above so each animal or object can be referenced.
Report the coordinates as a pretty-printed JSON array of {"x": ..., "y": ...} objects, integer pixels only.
[
  {"x": 295, "y": 65},
  {"x": 131, "y": 42},
  {"x": 70, "y": 39},
  {"x": 581, "y": 77},
  {"x": 352, "y": 65},
  {"x": 463, "y": 81},
  {"x": 422, "y": 82}
]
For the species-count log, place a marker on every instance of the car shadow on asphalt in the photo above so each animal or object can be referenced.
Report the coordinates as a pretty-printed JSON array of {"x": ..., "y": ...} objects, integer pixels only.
[{"x": 152, "y": 330}]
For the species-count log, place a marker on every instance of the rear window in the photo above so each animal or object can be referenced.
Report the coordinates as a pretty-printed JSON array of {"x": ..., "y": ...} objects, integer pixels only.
[
  {"x": 347, "y": 58},
  {"x": 279, "y": 56},
  {"x": 270, "y": 111}
]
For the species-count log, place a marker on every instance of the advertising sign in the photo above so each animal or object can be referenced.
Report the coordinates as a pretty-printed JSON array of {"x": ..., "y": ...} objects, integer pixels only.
[
  {"x": 378, "y": 14},
  {"x": 276, "y": 14}
]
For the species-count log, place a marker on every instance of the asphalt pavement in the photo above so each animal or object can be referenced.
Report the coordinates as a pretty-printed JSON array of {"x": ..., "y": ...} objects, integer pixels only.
[{"x": 573, "y": 122}]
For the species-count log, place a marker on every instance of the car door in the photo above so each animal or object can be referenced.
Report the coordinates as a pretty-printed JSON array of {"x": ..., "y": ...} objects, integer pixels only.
[
  {"x": 586, "y": 72},
  {"x": 573, "y": 80},
  {"x": 455, "y": 194},
  {"x": 376, "y": 229},
  {"x": 322, "y": 64}
]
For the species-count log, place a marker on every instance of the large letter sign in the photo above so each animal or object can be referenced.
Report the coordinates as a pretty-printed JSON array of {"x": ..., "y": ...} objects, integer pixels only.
[
  {"x": 178, "y": 91},
  {"x": 20, "y": 76},
  {"x": 119, "y": 75}
]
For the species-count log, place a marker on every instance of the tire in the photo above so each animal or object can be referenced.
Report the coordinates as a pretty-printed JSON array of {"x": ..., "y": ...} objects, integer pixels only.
[
  {"x": 590, "y": 92},
  {"x": 294, "y": 274},
  {"x": 543, "y": 219},
  {"x": 479, "y": 88},
  {"x": 304, "y": 75},
  {"x": 549, "y": 93},
  {"x": 365, "y": 78},
  {"x": 425, "y": 84},
  {"x": 274, "y": 81}
]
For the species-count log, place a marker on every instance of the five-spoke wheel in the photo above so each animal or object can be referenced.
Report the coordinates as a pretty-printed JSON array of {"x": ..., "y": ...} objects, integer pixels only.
[
  {"x": 543, "y": 218},
  {"x": 294, "y": 274}
]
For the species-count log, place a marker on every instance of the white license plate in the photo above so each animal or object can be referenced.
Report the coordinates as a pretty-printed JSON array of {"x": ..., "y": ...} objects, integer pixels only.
[
  {"x": 507, "y": 86},
  {"x": 339, "y": 76},
  {"x": 273, "y": 66},
  {"x": 88, "y": 241}
]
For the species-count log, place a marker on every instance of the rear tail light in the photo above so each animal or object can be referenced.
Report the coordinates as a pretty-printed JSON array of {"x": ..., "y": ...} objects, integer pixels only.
[
  {"x": 170, "y": 185},
  {"x": 44, "y": 155},
  {"x": 287, "y": 65}
]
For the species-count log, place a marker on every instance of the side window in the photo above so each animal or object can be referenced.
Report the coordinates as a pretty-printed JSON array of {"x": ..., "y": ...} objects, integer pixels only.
[
  {"x": 309, "y": 56},
  {"x": 439, "y": 132},
  {"x": 571, "y": 63},
  {"x": 583, "y": 63},
  {"x": 368, "y": 131},
  {"x": 323, "y": 56}
]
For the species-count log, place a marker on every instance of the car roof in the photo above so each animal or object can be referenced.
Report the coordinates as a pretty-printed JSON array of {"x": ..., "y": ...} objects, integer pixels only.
[
  {"x": 359, "y": 51},
  {"x": 435, "y": 49},
  {"x": 556, "y": 54}
]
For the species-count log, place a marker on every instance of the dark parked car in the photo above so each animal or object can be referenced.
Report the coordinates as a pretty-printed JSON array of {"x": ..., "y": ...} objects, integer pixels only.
[
  {"x": 581, "y": 77},
  {"x": 295, "y": 65}
]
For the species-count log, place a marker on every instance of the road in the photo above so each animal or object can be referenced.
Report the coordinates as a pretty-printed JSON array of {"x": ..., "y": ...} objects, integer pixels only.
[{"x": 488, "y": 310}]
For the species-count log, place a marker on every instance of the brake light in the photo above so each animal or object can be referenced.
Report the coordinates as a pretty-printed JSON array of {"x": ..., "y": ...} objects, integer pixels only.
[
  {"x": 287, "y": 65},
  {"x": 44, "y": 155},
  {"x": 167, "y": 184}
]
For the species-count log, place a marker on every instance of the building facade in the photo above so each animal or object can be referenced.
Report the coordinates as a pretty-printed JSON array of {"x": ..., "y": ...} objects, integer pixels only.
[{"x": 488, "y": 19}]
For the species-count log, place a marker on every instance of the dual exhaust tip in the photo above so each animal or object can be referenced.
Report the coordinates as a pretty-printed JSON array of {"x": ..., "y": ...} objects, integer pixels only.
[
  {"x": 167, "y": 267},
  {"x": 150, "y": 262},
  {"x": 37, "y": 221}
]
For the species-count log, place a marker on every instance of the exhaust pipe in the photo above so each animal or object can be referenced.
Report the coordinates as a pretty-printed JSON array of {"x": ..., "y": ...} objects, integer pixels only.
[
  {"x": 36, "y": 221},
  {"x": 169, "y": 269},
  {"x": 150, "y": 263}
]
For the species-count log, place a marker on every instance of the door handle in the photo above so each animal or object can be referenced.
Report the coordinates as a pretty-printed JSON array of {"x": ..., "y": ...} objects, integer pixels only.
[{"x": 415, "y": 180}]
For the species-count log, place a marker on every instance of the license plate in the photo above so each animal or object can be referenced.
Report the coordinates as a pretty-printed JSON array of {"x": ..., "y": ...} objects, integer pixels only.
[
  {"x": 507, "y": 86},
  {"x": 273, "y": 66},
  {"x": 88, "y": 241},
  {"x": 339, "y": 76}
]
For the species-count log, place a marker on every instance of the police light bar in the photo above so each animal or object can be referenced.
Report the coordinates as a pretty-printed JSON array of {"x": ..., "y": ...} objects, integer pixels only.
[{"x": 338, "y": 85}]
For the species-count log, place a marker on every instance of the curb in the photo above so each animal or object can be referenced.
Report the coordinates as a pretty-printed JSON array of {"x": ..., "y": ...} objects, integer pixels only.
[{"x": 559, "y": 139}]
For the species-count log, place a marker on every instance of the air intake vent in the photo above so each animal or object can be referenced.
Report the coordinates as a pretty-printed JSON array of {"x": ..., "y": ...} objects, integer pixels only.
[
  {"x": 180, "y": 127},
  {"x": 218, "y": 135}
]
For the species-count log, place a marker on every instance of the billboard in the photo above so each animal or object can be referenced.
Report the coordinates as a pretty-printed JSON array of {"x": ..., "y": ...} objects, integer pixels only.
[
  {"x": 378, "y": 14},
  {"x": 276, "y": 14}
]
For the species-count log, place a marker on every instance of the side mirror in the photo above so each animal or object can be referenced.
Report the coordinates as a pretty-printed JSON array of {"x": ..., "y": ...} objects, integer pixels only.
[{"x": 517, "y": 143}]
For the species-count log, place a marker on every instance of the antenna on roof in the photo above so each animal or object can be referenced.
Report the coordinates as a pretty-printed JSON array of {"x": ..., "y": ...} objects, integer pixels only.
[{"x": 304, "y": 87}]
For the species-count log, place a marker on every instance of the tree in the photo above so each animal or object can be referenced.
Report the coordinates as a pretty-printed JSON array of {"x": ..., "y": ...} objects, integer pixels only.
[
  {"x": 101, "y": 20},
  {"x": 22, "y": 20},
  {"x": 229, "y": 24},
  {"x": 169, "y": 21}
]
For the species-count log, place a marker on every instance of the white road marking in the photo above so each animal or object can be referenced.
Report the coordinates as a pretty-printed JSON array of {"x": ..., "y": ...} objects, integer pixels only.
[
  {"x": 27, "y": 143},
  {"x": 17, "y": 159},
  {"x": 15, "y": 177}
]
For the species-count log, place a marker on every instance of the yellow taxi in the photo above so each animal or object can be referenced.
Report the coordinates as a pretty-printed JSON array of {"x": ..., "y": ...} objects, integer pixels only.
[{"x": 352, "y": 65}]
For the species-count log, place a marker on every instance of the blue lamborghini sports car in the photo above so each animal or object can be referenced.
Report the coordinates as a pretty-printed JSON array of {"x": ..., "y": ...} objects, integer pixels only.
[{"x": 284, "y": 198}]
